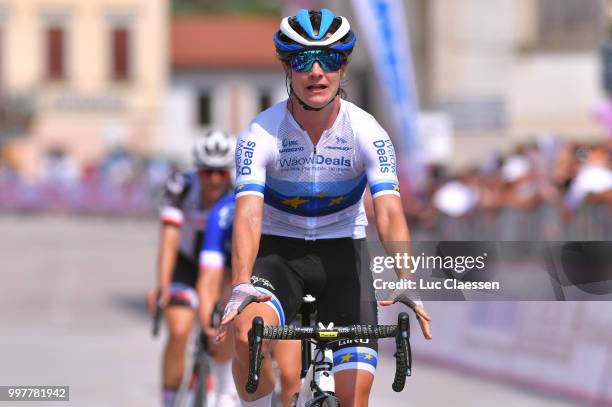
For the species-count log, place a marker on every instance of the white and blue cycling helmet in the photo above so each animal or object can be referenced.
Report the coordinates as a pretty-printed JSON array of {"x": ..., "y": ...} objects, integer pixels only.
[
  {"x": 314, "y": 30},
  {"x": 214, "y": 149}
]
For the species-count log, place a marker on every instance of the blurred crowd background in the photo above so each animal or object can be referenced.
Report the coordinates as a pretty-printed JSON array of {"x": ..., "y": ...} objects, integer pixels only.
[{"x": 100, "y": 101}]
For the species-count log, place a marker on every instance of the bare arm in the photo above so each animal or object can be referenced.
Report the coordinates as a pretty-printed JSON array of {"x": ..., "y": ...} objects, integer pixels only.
[
  {"x": 245, "y": 245},
  {"x": 245, "y": 237},
  {"x": 209, "y": 284},
  {"x": 392, "y": 227},
  {"x": 168, "y": 251},
  {"x": 393, "y": 232},
  {"x": 390, "y": 220},
  {"x": 166, "y": 259}
]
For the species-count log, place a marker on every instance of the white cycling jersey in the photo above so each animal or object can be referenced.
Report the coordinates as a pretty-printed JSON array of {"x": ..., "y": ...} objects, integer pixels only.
[{"x": 315, "y": 192}]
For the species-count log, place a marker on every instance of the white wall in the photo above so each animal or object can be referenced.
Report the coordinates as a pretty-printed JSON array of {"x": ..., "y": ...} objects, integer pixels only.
[
  {"x": 235, "y": 102},
  {"x": 555, "y": 91}
]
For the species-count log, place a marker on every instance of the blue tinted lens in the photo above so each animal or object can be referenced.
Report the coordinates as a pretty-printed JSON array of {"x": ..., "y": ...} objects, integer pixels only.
[
  {"x": 302, "y": 62},
  {"x": 330, "y": 61}
]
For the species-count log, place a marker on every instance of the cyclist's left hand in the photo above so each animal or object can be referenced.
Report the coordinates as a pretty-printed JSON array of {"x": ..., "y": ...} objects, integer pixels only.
[
  {"x": 210, "y": 332},
  {"x": 421, "y": 315},
  {"x": 242, "y": 295}
]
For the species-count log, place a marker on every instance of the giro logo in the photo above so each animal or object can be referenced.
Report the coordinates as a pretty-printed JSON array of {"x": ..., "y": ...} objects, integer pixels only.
[
  {"x": 315, "y": 160},
  {"x": 345, "y": 342},
  {"x": 386, "y": 156},
  {"x": 244, "y": 156}
]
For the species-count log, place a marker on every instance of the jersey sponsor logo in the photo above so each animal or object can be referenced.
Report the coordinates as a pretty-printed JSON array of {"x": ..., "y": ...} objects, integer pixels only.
[
  {"x": 386, "y": 156},
  {"x": 291, "y": 150},
  {"x": 314, "y": 160},
  {"x": 338, "y": 148},
  {"x": 245, "y": 150},
  {"x": 290, "y": 143},
  {"x": 290, "y": 146},
  {"x": 341, "y": 144},
  {"x": 226, "y": 216}
]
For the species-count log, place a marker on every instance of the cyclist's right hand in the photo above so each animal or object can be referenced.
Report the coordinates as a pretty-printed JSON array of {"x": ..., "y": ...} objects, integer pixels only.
[
  {"x": 152, "y": 299},
  {"x": 417, "y": 306},
  {"x": 242, "y": 295}
]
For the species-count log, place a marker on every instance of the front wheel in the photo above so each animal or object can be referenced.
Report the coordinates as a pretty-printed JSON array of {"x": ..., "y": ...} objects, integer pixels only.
[
  {"x": 202, "y": 382},
  {"x": 330, "y": 401}
]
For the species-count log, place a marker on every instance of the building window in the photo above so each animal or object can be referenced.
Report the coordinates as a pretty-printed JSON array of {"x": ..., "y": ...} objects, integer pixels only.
[
  {"x": 204, "y": 109},
  {"x": 265, "y": 100},
  {"x": 56, "y": 53},
  {"x": 120, "y": 53},
  {"x": 568, "y": 25}
]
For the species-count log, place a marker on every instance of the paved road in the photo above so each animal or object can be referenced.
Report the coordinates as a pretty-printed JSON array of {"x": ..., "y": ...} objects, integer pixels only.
[{"x": 72, "y": 313}]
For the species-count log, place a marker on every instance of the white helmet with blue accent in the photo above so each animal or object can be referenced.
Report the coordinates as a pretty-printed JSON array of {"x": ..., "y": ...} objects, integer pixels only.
[{"x": 314, "y": 30}]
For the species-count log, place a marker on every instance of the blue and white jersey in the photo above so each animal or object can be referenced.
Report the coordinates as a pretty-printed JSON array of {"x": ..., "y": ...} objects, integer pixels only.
[
  {"x": 315, "y": 192},
  {"x": 217, "y": 244}
]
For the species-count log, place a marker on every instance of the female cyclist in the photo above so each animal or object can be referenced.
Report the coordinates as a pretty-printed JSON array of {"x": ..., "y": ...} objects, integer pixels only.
[{"x": 302, "y": 169}]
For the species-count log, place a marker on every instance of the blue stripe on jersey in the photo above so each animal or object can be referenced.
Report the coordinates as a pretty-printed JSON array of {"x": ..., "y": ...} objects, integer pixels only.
[
  {"x": 314, "y": 205},
  {"x": 355, "y": 354},
  {"x": 247, "y": 187},
  {"x": 384, "y": 186},
  {"x": 297, "y": 188}
]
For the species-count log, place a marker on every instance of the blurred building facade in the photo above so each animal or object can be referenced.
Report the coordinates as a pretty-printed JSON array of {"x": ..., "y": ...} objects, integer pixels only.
[
  {"x": 224, "y": 72},
  {"x": 510, "y": 70},
  {"x": 504, "y": 71},
  {"x": 89, "y": 76}
]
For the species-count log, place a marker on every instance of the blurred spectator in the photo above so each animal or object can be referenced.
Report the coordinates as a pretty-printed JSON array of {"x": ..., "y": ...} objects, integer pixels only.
[
  {"x": 593, "y": 181},
  {"x": 456, "y": 198},
  {"x": 118, "y": 167},
  {"x": 59, "y": 168},
  {"x": 565, "y": 166}
]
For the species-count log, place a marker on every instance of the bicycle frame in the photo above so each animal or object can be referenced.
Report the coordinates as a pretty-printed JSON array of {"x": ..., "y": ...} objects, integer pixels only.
[{"x": 193, "y": 389}]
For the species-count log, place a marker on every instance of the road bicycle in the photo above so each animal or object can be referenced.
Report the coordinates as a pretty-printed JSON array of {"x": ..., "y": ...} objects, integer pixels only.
[
  {"x": 193, "y": 391},
  {"x": 318, "y": 387}
]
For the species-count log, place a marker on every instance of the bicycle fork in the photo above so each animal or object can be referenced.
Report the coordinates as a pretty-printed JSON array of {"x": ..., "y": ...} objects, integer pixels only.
[
  {"x": 323, "y": 378},
  {"x": 320, "y": 378}
]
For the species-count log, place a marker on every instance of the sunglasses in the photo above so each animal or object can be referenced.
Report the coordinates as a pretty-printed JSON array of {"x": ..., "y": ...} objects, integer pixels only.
[
  {"x": 330, "y": 61},
  {"x": 209, "y": 172}
]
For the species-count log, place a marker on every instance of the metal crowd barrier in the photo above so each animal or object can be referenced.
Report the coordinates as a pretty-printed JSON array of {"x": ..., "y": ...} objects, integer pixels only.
[{"x": 544, "y": 222}]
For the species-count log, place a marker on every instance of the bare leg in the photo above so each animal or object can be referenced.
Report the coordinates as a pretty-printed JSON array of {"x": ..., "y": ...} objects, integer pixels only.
[
  {"x": 242, "y": 325},
  {"x": 180, "y": 322},
  {"x": 287, "y": 355},
  {"x": 353, "y": 387}
]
